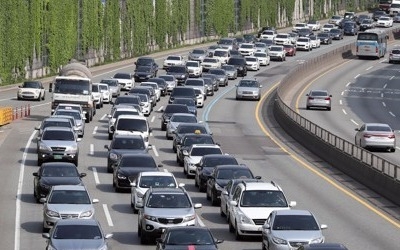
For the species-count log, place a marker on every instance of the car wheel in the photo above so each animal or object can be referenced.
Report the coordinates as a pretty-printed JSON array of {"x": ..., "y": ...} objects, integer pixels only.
[
  {"x": 263, "y": 247},
  {"x": 390, "y": 61},
  {"x": 184, "y": 170},
  {"x": 109, "y": 169},
  {"x": 329, "y": 108},
  {"x": 163, "y": 127},
  {"x": 39, "y": 98},
  {"x": 76, "y": 162},
  {"x": 393, "y": 150},
  {"x": 231, "y": 228},
  {"x": 143, "y": 238},
  {"x": 39, "y": 162},
  {"x": 237, "y": 235},
  {"x": 221, "y": 212},
  {"x": 214, "y": 199},
  {"x": 139, "y": 230},
  {"x": 207, "y": 196},
  {"x": 308, "y": 107}
]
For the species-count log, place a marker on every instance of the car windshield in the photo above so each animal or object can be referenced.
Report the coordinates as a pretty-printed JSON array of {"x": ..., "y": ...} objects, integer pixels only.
[
  {"x": 246, "y": 46},
  {"x": 319, "y": 93},
  {"x": 276, "y": 48},
  {"x": 220, "y": 53},
  {"x": 182, "y": 129},
  {"x": 282, "y": 36},
  {"x": 69, "y": 197},
  {"x": 197, "y": 140},
  {"x": 312, "y": 22},
  {"x": 184, "y": 118},
  {"x": 367, "y": 21},
  {"x": 226, "y": 41},
  {"x": 75, "y": 115},
  {"x": 186, "y": 101},
  {"x": 210, "y": 60},
  {"x": 263, "y": 198},
  {"x": 75, "y": 232},
  {"x": 251, "y": 59},
  {"x": 143, "y": 69},
  {"x": 378, "y": 128},
  {"x": 323, "y": 35},
  {"x": 136, "y": 161},
  {"x": 168, "y": 201},
  {"x": 302, "y": 40},
  {"x": 34, "y": 85},
  {"x": 167, "y": 78},
  {"x": 177, "y": 69},
  {"x": 328, "y": 26},
  {"x": 200, "y": 151},
  {"x": 111, "y": 83},
  {"x": 132, "y": 125},
  {"x": 260, "y": 55},
  {"x": 183, "y": 237},
  {"x": 198, "y": 51},
  {"x": 126, "y": 99},
  {"x": 144, "y": 61},
  {"x": 384, "y": 18},
  {"x": 55, "y": 171},
  {"x": 214, "y": 161},
  {"x": 56, "y": 124},
  {"x": 122, "y": 76},
  {"x": 157, "y": 181},
  {"x": 217, "y": 72},
  {"x": 295, "y": 222},
  {"x": 56, "y": 135},
  {"x": 192, "y": 64},
  {"x": 128, "y": 143},
  {"x": 103, "y": 87},
  {"x": 228, "y": 174},
  {"x": 174, "y": 58},
  {"x": 194, "y": 82},
  {"x": 249, "y": 83}
]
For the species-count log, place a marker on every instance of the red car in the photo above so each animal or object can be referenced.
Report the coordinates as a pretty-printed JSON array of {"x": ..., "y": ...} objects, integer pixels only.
[{"x": 290, "y": 49}]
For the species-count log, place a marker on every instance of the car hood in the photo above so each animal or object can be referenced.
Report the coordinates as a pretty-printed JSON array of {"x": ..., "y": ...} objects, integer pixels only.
[
  {"x": 247, "y": 89},
  {"x": 59, "y": 144},
  {"x": 126, "y": 132},
  {"x": 128, "y": 151},
  {"x": 185, "y": 247},
  {"x": 142, "y": 73},
  {"x": 170, "y": 212},
  {"x": 297, "y": 235},
  {"x": 77, "y": 244},
  {"x": 29, "y": 89},
  {"x": 70, "y": 208},
  {"x": 222, "y": 182},
  {"x": 51, "y": 181},
  {"x": 124, "y": 80},
  {"x": 259, "y": 212},
  {"x": 194, "y": 159},
  {"x": 207, "y": 171}
]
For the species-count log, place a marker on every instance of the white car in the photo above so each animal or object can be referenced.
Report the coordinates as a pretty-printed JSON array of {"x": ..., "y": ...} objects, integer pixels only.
[
  {"x": 384, "y": 21},
  {"x": 277, "y": 52},
  {"x": 125, "y": 80},
  {"x": 335, "y": 20},
  {"x": 251, "y": 205},
  {"x": 263, "y": 58},
  {"x": 173, "y": 60},
  {"x": 210, "y": 63},
  {"x": 97, "y": 95},
  {"x": 304, "y": 43},
  {"x": 268, "y": 34},
  {"x": 261, "y": 47},
  {"x": 376, "y": 135},
  {"x": 252, "y": 63},
  {"x": 117, "y": 111},
  {"x": 145, "y": 180},
  {"x": 194, "y": 68},
  {"x": 200, "y": 97},
  {"x": 247, "y": 49},
  {"x": 315, "y": 41},
  {"x": 156, "y": 88},
  {"x": 283, "y": 38},
  {"x": 298, "y": 26},
  {"x": 314, "y": 25},
  {"x": 194, "y": 154},
  {"x": 31, "y": 90},
  {"x": 146, "y": 106},
  {"x": 327, "y": 27},
  {"x": 171, "y": 81},
  {"x": 175, "y": 120},
  {"x": 222, "y": 55},
  {"x": 105, "y": 90}
]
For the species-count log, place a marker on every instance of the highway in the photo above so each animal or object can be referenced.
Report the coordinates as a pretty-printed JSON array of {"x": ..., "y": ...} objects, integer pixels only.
[{"x": 238, "y": 126}]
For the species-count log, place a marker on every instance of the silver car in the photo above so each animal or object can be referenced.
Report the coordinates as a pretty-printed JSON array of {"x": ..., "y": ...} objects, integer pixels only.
[
  {"x": 230, "y": 70},
  {"x": 113, "y": 85},
  {"x": 319, "y": 99},
  {"x": 77, "y": 234},
  {"x": 67, "y": 202},
  {"x": 79, "y": 119},
  {"x": 394, "y": 56},
  {"x": 291, "y": 229},
  {"x": 176, "y": 119},
  {"x": 248, "y": 89},
  {"x": 171, "y": 82},
  {"x": 376, "y": 135}
]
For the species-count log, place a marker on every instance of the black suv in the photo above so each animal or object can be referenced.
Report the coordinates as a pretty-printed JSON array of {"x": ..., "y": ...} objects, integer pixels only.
[
  {"x": 240, "y": 64},
  {"x": 147, "y": 61},
  {"x": 182, "y": 92},
  {"x": 181, "y": 73},
  {"x": 169, "y": 110}
]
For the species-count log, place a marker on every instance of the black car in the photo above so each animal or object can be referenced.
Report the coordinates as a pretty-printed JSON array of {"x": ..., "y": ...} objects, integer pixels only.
[
  {"x": 377, "y": 14},
  {"x": 188, "y": 128},
  {"x": 263, "y": 29},
  {"x": 52, "y": 174},
  {"x": 343, "y": 21},
  {"x": 350, "y": 28},
  {"x": 162, "y": 84},
  {"x": 176, "y": 238},
  {"x": 189, "y": 102},
  {"x": 325, "y": 38},
  {"x": 207, "y": 164},
  {"x": 249, "y": 38},
  {"x": 182, "y": 92},
  {"x": 361, "y": 18},
  {"x": 147, "y": 61},
  {"x": 222, "y": 78},
  {"x": 268, "y": 42},
  {"x": 305, "y": 32},
  {"x": 181, "y": 73},
  {"x": 367, "y": 24},
  {"x": 128, "y": 167},
  {"x": 188, "y": 140},
  {"x": 124, "y": 144},
  {"x": 208, "y": 82},
  {"x": 239, "y": 63},
  {"x": 221, "y": 175},
  {"x": 336, "y": 34},
  {"x": 323, "y": 246},
  {"x": 169, "y": 110},
  {"x": 144, "y": 73}
]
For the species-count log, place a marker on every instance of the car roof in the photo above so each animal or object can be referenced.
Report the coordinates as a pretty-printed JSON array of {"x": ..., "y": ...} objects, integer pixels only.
[
  {"x": 56, "y": 118},
  {"x": 89, "y": 222},
  {"x": 325, "y": 246},
  {"x": 168, "y": 190},
  {"x": 69, "y": 187},
  {"x": 184, "y": 114},
  {"x": 293, "y": 212},
  {"x": 121, "y": 107},
  {"x": 262, "y": 186},
  {"x": 218, "y": 156},
  {"x": 231, "y": 166},
  {"x": 65, "y": 129},
  {"x": 136, "y": 117},
  {"x": 205, "y": 146},
  {"x": 125, "y": 136},
  {"x": 58, "y": 164}
]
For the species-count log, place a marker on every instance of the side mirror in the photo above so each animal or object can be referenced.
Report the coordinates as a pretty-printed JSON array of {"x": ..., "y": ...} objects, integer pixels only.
[
  {"x": 82, "y": 175},
  {"x": 266, "y": 226},
  {"x": 106, "y": 147},
  {"x": 160, "y": 165},
  {"x": 323, "y": 226},
  {"x": 94, "y": 201},
  {"x": 233, "y": 203},
  {"x": 35, "y": 174},
  {"x": 43, "y": 200},
  {"x": 159, "y": 240},
  {"x": 198, "y": 205},
  {"x": 292, "y": 204},
  {"x": 181, "y": 184}
]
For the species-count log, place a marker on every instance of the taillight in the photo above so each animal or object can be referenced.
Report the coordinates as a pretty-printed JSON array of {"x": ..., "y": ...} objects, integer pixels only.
[
  {"x": 328, "y": 99},
  {"x": 392, "y": 136},
  {"x": 310, "y": 98},
  {"x": 356, "y": 48},
  {"x": 367, "y": 136},
  {"x": 376, "y": 49}
]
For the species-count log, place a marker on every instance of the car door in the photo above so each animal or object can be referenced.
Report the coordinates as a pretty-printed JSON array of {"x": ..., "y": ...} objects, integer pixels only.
[{"x": 233, "y": 210}]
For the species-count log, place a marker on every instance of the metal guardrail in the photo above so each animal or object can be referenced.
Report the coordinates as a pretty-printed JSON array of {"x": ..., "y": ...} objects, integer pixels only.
[{"x": 6, "y": 115}]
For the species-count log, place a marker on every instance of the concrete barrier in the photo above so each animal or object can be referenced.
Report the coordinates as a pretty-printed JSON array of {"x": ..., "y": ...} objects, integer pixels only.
[{"x": 376, "y": 173}]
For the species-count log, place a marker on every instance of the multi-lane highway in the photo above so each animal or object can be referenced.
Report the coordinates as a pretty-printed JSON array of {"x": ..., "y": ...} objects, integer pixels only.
[{"x": 237, "y": 125}]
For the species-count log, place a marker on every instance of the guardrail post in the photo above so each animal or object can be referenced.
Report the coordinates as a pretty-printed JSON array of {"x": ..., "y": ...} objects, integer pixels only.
[
  {"x": 22, "y": 111},
  {"x": 29, "y": 109}
]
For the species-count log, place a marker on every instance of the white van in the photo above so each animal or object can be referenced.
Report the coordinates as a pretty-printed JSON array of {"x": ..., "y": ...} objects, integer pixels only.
[
  {"x": 132, "y": 125},
  {"x": 394, "y": 8}
]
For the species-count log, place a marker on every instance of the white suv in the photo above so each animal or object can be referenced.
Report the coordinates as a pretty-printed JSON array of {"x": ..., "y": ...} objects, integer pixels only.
[
  {"x": 251, "y": 205},
  {"x": 194, "y": 155}
]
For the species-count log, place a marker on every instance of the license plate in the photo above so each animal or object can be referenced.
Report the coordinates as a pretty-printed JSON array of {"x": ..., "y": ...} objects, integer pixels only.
[{"x": 57, "y": 157}]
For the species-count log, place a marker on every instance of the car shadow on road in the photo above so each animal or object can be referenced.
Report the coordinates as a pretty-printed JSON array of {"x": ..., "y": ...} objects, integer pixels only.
[
  {"x": 29, "y": 198},
  {"x": 33, "y": 227},
  {"x": 107, "y": 188},
  {"x": 122, "y": 208},
  {"x": 126, "y": 238}
]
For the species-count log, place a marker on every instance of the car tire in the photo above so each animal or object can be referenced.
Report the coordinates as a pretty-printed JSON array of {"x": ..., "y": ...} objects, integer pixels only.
[
  {"x": 39, "y": 98},
  {"x": 139, "y": 231},
  {"x": 231, "y": 228},
  {"x": 237, "y": 235},
  {"x": 109, "y": 169},
  {"x": 221, "y": 212},
  {"x": 143, "y": 238},
  {"x": 76, "y": 162},
  {"x": 393, "y": 150},
  {"x": 390, "y": 61},
  {"x": 308, "y": 107},
  {"x": 263, "y": 247},
  {"x": 163, "y": 127},
  {"x": 214, "y": 200},
  {"x": 207, "y": 196},
  {"x": 329, "y": 108}
]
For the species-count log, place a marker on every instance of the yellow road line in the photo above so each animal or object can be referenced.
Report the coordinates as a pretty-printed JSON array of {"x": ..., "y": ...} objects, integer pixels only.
[{"x": 314, "y": 170}]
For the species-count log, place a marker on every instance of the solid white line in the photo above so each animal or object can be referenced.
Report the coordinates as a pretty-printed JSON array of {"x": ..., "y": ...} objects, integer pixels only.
[
  {"x": 160, "y": 108},
  {"x": 155, "y": 150},
  {"x": 384, "y": 104},
  {"x": 384, "y": 86},
  {"x": 95, "y": 130},
  {"x": 391, "y": 78},
  {"x": 354, "y": 122},
  {"x": 391, "y": 113},
  {"x": 369, "y": 68},
  {"x": 199, "y": 221},
  {"x": 348, "y": 84},
  {"x": 152, "y": 118},
  {"x": 342, "y": 93},
  {"x": 17, "y": 232},
  {"x": 340, "y": 102},
  {"x": 96, "y": 175},
  {"x": 108, "y": 216},
  {"x": 91, "y": 149},
  {"x": 344, "y": 111},
  {"x": 356, "y": 76},
  {"x": 381, "y": 94},
  {"x": 103, "y": 117}
]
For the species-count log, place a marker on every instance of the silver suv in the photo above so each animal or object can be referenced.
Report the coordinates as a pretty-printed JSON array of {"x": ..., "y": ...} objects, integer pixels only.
[
  {"x": 251, "y": 204},
  {"x": 248, "y": 89},
  {"x": 162, "y": 208}
]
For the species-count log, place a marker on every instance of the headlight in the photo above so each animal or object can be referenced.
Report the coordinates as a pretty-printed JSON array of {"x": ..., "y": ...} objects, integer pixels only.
[
  {"x": 279, "y": 241},
  {"x": 87, "y": 214},
  {"x": 139, "y": 194},
  {"x": 244, "y": 219},
  {"x": 52, "y": 213},
  {"x": 71, "y": 149},
  {"x": 120, "y": 176},
  {"x": 218, "y": 187},
  {"x": 44, "y": 186},
  {"x": 50, "y": 247},
  {"x": 317, "y": 240},
  {"x": 149, "y": 217},
  {"x": 189, "y": 218},
  {"x": 182, "y": 76},
  {"x": 113, "y": 156},
  {"x": 43, "y": 147}
]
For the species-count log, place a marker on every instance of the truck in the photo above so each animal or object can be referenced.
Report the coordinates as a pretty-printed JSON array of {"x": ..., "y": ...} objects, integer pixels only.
[
  {"x": 385, "y": 5},
  {"x": 74, "y": 85}
]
